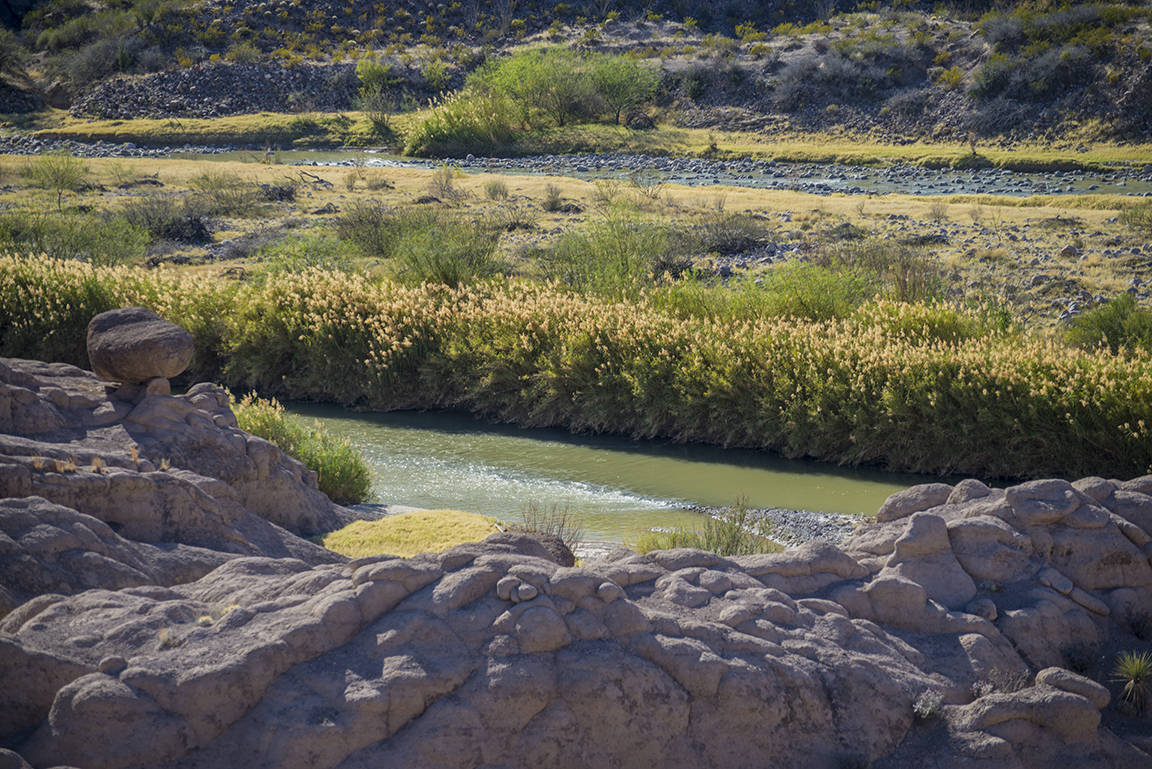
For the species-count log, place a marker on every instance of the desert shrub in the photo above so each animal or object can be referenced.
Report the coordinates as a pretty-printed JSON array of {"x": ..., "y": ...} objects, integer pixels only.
[
  {"x": 553, "y": 521},
  {"x": 695, "y": 82},
  {"x": 620, "y": 254},
  {"x": 1134, "y": 670},
  {"x": 13, "y": 55},
  {"x": 734, "y": 531},
  {"x": 221, "y": 193},
  {"x": 167, "y": 218},
  {"x": 496, "y": 189},
  {"x": 1116, "y": 324},
  {"x": 552, "y": 198},
  {"x": 815, "y": 292},
  {"x": 58, "y": 172},
  {"x": 460, "y": 123},
  {"x": 74, "y": 235},
  {"x": 313, "y": 250},
  {"x": 450, "y": 252},
  {"x": 730, "y": 233},
  {"x": 622, "y": 83},
  {"x": 341, "y": 472},
  {"x": 375, "y": 231},
  {"x": 553, "y": 81}
]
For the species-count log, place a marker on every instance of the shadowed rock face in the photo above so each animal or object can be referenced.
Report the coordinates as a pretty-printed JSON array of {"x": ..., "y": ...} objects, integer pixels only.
[{"x": 493, "y": 654}]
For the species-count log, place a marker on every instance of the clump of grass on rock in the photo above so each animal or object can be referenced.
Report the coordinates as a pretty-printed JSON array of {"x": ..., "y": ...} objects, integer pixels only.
[
  {"x": 343, "y": 474},
  {"x": 408, "y": 534}
]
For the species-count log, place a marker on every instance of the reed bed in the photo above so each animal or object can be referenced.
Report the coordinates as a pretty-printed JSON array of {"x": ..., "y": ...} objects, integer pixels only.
[{"x": 918, "y": 387}]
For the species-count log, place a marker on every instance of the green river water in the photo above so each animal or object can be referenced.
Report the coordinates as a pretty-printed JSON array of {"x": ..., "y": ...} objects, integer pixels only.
[{"x": 615, "y": 485}]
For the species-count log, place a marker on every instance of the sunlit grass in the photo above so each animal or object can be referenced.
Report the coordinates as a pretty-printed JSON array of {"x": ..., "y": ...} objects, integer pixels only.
[
  {"x": 920, "y": 387},
  {"x": 408, "y": 534}
]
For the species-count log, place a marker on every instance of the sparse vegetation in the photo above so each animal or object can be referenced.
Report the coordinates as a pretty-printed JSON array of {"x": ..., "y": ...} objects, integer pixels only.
[
  {"x": 736, "y": 531},
  {"x": 1134, "y": 670}
]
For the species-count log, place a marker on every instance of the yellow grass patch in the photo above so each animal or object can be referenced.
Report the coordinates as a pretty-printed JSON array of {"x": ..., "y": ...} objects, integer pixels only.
[{"x": 406, "y": 535}]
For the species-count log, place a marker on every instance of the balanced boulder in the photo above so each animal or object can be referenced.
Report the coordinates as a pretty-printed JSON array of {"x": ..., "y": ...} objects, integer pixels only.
[{"x": 133, "y": 345}]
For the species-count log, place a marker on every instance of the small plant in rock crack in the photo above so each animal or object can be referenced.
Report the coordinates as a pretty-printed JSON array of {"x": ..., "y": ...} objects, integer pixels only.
[
  {"x": 1135, "y": 671},
  {"x": 927, "y": 705}
]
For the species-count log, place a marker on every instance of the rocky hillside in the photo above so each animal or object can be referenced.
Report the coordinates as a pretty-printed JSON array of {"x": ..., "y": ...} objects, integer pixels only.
[{"x": 1079, "y": 71}]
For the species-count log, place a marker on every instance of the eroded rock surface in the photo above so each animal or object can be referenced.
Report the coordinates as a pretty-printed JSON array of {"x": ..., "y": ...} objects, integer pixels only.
[{"x": 124, "y": 488}]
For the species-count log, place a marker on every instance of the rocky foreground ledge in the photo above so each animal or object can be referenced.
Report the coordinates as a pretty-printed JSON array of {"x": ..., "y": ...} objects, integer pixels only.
[{"x": 162, "y": 611}]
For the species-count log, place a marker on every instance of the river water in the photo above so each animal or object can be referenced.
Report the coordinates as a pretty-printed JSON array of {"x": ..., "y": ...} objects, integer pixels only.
[{"x": 616, "y": 486}]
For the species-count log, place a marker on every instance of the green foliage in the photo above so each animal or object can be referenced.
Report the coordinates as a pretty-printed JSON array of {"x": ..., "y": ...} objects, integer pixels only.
[
  {"x": 85, "y": 237},
  {"x": 13, "y": 56},
  {"x": 618, "y": 255},
  {"x": 423, "y": 246},
  {"x": 58, "y": 172},
  {"x": 341, "y": 471},
  {"x": 1116, "y": 324},
  {"x": 552, "y": 81},
  {"x": 375, "y": 75},
  {"x": 449, "y": 252},
  {"x": 169, "y": 219},
  {"x": 622, "y": 83},
  {"x": 460, "y": 123},
  {"x": 735, "y": 531},
  {"x": 312, "y": 250},
  {"x": 1135, "y": 671},
  {"x": 436, "y": 75}
]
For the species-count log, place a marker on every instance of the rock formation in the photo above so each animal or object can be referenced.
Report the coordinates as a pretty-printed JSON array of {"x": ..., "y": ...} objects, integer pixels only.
[
  {"x": 134, "y": 345},
  {"x": 967, "y": 626},
  {"x": 120, "y": 488}
]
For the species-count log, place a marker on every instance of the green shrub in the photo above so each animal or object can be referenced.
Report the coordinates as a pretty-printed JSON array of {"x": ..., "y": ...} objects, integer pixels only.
[
  {"x": 618, "y": 255},
  {"x": 13, "y": 56},
  {"x": 1135, "y": 671},
  {"x": 622, "y": 83},
  {"x": 461, "y": 123},
  {"x": 1118, "y": 323},
  {"x": 449, "y": 252},
  {"x": 221, "y": 193},
  {"x": 313, "y": 250},
  {"x": 85, "y": 237},
  {"x": 58, "y": 172},
  {"x": 342, "y": 473},
  {"x": 551, "y": 80}
]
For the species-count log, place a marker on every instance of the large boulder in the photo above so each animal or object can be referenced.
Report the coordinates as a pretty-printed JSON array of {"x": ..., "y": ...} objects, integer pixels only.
[{"x": 133, "y": 345}]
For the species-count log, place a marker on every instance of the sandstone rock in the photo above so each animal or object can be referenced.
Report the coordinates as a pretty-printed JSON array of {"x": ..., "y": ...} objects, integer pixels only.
[
  {"x": 923, "y": 554},
  {"x": 989, "y": 549},
  {"x": 913, "y": 500},
  {"x": 133, "y": 344},
  {"x": 1066, "y": 680}
]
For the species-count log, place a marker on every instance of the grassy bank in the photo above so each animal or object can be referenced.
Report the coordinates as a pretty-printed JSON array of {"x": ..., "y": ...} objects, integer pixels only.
[{"x": 917, "y": 387}]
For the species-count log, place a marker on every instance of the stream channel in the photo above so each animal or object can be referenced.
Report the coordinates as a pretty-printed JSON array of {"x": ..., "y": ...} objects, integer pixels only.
[
  {"x": 816, "y": 179},
  {"x": 615, "y": 485}
]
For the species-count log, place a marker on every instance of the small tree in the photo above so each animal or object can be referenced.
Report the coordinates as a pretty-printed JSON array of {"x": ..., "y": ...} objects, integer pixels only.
[
  {"x": 374, "y": 100},
  {"x": 623, "y": 83}
]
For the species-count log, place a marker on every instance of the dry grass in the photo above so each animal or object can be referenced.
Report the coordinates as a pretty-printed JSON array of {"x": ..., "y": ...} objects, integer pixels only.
[{"x": 409, "y": 534}]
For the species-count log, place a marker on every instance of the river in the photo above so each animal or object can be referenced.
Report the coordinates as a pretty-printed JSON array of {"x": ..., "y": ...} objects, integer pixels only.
[{"x": 616, "y": 486}]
